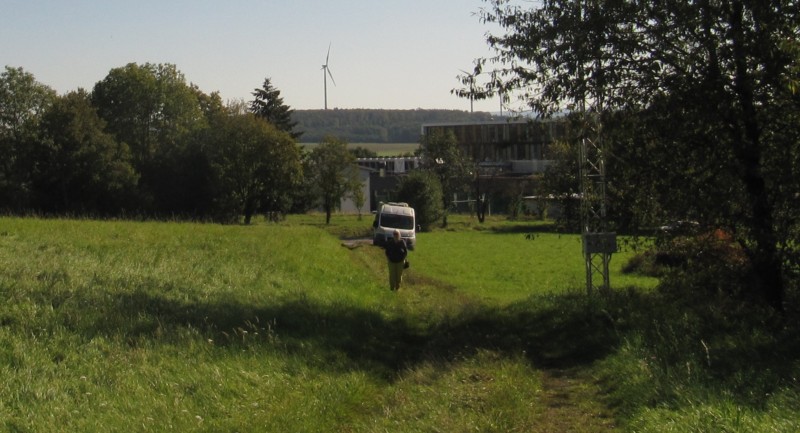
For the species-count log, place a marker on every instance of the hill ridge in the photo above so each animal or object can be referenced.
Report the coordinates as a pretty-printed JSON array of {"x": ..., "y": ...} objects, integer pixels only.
[{"x": 367, "y": 125}]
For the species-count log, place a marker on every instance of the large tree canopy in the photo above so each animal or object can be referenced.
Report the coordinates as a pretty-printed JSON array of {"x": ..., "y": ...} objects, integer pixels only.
[
  {"x": 153, "y": 110},
  {"x": 700, "y": 91},
  {"x": 147, "y": 107},
  {"x": 23, "y": 101},
  {"x": 79, "y": 168},
  {"x": 254, "y": 166}
]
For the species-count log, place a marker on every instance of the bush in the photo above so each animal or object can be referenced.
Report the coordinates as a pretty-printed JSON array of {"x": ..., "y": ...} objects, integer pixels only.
[{"x": 422, "y": 191}]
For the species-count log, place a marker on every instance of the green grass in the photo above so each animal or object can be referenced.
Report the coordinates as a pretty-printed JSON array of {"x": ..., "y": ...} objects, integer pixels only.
[
  {"x": 138, "y": 326},
  {"x": 382, "y": 149},
  {"x": 510, "y": 267}
]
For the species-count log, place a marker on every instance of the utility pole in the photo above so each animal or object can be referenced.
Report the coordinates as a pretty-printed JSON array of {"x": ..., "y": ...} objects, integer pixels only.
[{"x": 598, "y": 243}]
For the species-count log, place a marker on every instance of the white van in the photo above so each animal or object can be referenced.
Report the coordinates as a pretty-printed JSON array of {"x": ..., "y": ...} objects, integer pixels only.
[{"x": 394, "y": 216}]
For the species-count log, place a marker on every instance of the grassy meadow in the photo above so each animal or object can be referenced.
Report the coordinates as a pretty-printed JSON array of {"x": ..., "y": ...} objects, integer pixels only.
[
  {"x": 382, "y": 149},
  {"x": 110, "y": 326}
]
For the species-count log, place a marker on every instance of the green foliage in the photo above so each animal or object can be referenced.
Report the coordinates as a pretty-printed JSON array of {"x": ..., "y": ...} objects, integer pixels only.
[
  {"x": 253, "y": 166},
  {"x": 422, "y": 191},
  {"x": 22, "y": 103},
  {"x": 332, "y": 173},
  {"x": 149, "y": 107},
  {"x": 80, "y": 168},
  {"x": 154, "y": 111},
  {"x": 561, "y": 182},
  {"x": 269, "y": 106},
  {"x": 702, "y": 367},
  {"x": 442, "y": 156},
  {"x": 661, "y": 65}
]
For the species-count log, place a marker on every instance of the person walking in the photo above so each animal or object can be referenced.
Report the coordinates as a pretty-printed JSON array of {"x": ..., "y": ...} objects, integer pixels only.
[{"x": 396, "y": 252}]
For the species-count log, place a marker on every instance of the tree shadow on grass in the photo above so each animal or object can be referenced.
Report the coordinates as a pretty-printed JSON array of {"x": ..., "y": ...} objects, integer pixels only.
[
  {"x": 561, "y": 332},
  {"x": 554, "y": 331}
]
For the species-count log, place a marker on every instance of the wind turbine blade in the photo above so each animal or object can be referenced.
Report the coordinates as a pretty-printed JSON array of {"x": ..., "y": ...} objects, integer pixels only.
[
  {"x": 328, "y": 55},
  {"x": 331, "y": 75}
]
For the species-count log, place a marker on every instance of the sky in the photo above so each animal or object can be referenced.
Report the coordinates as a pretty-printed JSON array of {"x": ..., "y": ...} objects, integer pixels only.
[{"x": 384, "y": 54}]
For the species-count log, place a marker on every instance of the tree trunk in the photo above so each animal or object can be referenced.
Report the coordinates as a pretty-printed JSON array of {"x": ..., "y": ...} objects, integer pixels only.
[
  {"x": 328, "y": 211},
  {"x": 763, "y": 252}
]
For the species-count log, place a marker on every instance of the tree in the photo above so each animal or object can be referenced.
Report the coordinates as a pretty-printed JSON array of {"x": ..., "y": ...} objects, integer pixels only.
[
  {"x": 210, "y": 104},
  {"x": 154, "y": 111},
  {"x": 269, "y": 106},
  {"x": 706, "y": 82},
  {"x": 254, "y": 166},
  {"x": 22, "y": 102},
  {"x": 333, "y": 173},
  {"x": 80, "y": 168},
  {"x": 442, "y": 157},
  {"x": 150, "y": 107},
  {"x": 422, "y": 190},
  {"x": 359, "y": 200}
]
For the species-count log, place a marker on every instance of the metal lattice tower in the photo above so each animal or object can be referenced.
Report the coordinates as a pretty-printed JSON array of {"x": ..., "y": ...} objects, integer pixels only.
[{"x": 598, "y": 242}]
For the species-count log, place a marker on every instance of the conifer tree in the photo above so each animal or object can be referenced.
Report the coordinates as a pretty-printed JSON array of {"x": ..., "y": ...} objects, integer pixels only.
[{"x": 269, "y": 105}]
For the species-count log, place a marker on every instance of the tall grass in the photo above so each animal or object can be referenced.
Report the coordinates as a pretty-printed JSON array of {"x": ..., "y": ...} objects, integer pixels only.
[
  {"x": 136, "y": 326},
  {"x": 120, "y": 326}
]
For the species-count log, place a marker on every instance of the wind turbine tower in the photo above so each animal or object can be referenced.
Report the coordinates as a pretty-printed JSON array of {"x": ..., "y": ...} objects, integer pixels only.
[
  {"x": 471, "y": 79},
  {"x": 326, "y": 72}
]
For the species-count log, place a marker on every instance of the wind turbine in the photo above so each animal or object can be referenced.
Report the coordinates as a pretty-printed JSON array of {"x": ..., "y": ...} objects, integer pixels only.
[
  {"x": 326, "y": 72},
  {"x": 471, "y": 80}
]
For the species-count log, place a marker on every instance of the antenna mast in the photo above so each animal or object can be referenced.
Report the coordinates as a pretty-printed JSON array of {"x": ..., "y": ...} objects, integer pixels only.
[{"x": 598, "y": 242}]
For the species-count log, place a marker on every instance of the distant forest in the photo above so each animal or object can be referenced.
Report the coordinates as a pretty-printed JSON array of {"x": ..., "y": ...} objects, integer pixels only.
[{"x": 376, "y": 126}]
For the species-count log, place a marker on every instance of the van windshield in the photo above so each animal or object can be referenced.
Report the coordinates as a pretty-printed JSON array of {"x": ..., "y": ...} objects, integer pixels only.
[{"x": 403, "y": 222}]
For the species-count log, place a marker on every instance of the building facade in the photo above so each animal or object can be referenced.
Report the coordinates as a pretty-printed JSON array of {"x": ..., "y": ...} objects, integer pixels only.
[
  {"x": 507, "y": 154},
  {"x": 513, "y": 147}
]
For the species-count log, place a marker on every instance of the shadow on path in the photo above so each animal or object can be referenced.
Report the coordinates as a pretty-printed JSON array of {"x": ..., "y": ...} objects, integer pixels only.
[{"x": 559, "y": 333}]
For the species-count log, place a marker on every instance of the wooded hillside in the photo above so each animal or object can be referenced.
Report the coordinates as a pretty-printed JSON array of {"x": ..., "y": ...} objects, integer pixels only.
[{"x": 375, "y": 125}]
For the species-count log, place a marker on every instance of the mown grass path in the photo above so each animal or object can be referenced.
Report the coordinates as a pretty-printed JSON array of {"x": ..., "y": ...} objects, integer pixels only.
[
  {"x": 572, "y": 403},
  {"x": 568, "y": 398}
]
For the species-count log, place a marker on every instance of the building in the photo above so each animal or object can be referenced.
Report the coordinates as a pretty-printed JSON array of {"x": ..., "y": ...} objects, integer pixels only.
[
  {"x": 513, "y": 147},
  {"x": 380, "y": 178},
  {"x": 507, "y": 153},
  {"x": 390, "y": 165}
]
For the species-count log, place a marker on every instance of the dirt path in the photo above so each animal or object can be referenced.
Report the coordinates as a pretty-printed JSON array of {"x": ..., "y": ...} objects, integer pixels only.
[{"x": 572, "y": 403}]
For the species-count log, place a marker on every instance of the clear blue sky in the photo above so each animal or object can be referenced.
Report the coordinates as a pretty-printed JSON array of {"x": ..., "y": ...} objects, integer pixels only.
[{"x": 391, "y": 54}]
